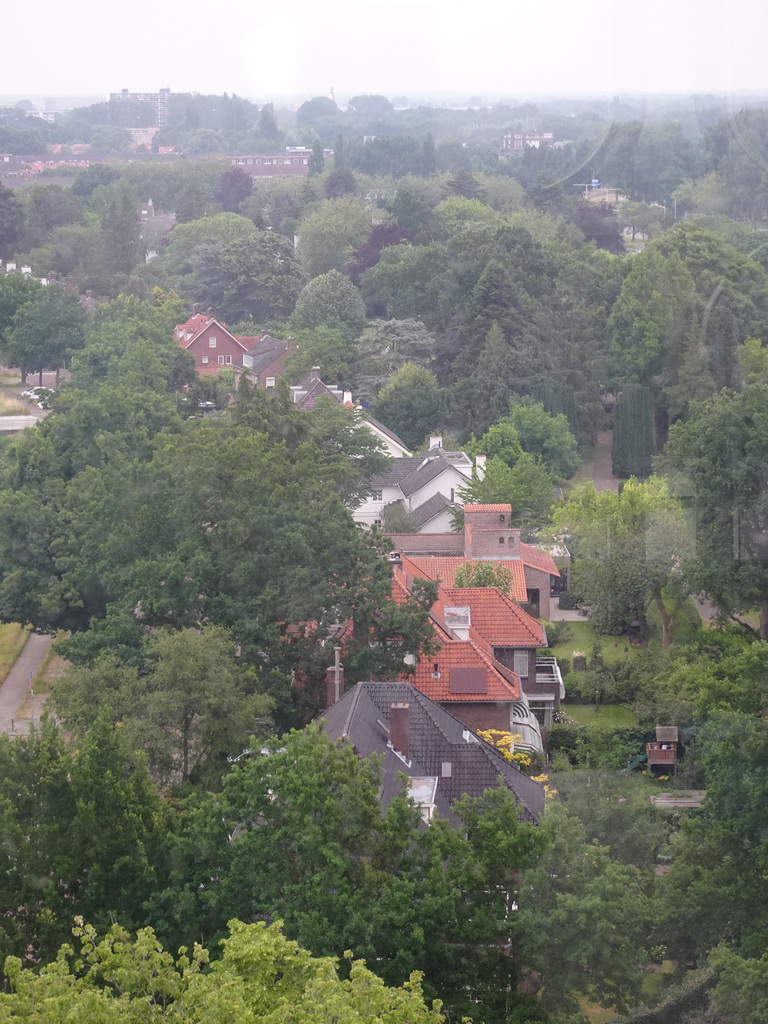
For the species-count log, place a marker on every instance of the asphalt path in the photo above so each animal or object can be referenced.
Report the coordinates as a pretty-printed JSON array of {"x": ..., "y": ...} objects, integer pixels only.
[{"x": 16, "y": 687}]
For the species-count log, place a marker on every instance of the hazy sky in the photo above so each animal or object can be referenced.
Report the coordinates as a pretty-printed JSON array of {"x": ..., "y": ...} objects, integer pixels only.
[{"x": 397, "y": 47}]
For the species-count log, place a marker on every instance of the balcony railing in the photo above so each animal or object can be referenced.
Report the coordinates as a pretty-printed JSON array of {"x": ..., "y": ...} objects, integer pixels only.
[
  {"x": 548, "y": 672},
  {"x": 658, "y": 754}
]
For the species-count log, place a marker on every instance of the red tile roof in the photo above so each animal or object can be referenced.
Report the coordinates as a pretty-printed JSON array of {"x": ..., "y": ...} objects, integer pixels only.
[
  {"x": 496, "y": 617},
  {"x": 194, "y": 323},
  {"x": 500, "y": 683},
  {"x": 537, "y": 558},
  {"x": 444, "y": 569},
  {"x": 488, "y": 508},
  {"x": 476, "y": 652}
]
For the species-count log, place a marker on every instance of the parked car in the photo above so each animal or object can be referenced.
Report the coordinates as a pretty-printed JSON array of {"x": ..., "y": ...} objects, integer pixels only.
[
  {"x": 41, "y": 395},
  {"x": 35, "y": 393}
]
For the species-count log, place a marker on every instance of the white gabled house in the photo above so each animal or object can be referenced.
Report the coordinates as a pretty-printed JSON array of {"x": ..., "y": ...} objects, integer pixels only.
[{"x": 426, "y": 485}]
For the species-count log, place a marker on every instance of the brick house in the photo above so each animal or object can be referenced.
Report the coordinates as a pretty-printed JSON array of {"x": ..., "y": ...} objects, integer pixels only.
[
  {"x": 488, "y": 536},
  {"x": 209, "y": 341},
  {"x": 273, "y": 165},
  {"x": 465, "y": 676},
  {"x": 500, "y": 630},
  {"x": 261, "y": 357},
  {"x": 414, "y": 736},
  {"x": 263, "y": 362}
]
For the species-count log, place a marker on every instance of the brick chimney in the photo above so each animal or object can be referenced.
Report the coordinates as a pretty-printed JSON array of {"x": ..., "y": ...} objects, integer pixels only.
[
  {"x": 330, "y": 685},
  {"x": 399, "y": 727}
]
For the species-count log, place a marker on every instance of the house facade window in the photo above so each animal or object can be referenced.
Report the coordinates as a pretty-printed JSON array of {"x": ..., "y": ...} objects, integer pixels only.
[
  {"x": 228, "y": 360},
  {"x": 501, "y": 540},
  {"x": 270, "y": 382},
  {"x": 221, "y": 360},
  {"x": 204, "y": 360},
  {"x": 521, "y": 663},
  {"x": 377, "y": 496},
  {"x": 211, "y": 343}
]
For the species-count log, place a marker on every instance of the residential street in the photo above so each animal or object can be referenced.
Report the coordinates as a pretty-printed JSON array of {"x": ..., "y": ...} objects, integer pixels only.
[{"x": 15, "y": 689}]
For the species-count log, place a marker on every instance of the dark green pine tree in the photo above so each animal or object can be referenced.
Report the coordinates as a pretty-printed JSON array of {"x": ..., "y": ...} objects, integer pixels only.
[
  {"x": 463, "y": 183},
  {"x": 558, "y": 399},
  {"x": 317, "y": 160},
  {"x": 493, "y": 300},
  {"x": 483, "y": 396},
  {"x": 633, "y": 436}
]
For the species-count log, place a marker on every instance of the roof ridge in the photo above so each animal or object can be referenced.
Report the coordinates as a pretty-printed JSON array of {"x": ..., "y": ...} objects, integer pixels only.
[{"x": 352, "y": 709}]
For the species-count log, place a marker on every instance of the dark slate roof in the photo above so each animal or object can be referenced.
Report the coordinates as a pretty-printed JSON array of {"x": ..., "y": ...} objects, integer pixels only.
[
  {"x": 399, "y": 470},
  {"x": 385, "y": 430},
  {"x": 362, "y": 717},
  {"x": 429, "y": 509},
  {"x": 266, "y": 351},
  {"x": 424, "y": 471},
  {"x": 317, "y": 391},
  {"x": 411, "y": 474}
]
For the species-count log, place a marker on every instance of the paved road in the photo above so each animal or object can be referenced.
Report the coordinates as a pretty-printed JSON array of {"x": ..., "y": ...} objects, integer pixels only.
[{"x": 15, "y": 689}]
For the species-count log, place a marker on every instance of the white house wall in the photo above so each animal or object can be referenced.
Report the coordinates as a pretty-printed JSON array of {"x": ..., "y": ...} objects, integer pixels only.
[{"x": 449, "y": 480}]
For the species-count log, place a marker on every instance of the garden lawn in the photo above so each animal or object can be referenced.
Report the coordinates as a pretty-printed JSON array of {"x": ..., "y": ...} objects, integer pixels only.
[
  {"x": 12, "y": 407},
  {"x": 612, "y": 715},
  {"x": 582, "y": 637}
]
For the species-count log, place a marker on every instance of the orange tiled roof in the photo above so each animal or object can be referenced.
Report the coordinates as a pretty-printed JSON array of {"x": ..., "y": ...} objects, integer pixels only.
[
  {"x": 488, "y": 508},
  {"x": 496, "y": 617},
  {"x": 476, "y": 652},
  {"x": 444, "y": 568},
  {"x": 501, "y": 684},
  {"x": 194, "y": 323},
  {"x": 537, "y": 558}
]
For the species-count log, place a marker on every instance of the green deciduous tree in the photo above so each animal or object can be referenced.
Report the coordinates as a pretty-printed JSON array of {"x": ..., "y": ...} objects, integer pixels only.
[
  {"x": 189, "y": 708},
  {"x": 11, "y": 221},
  {"x": 310, "y": 845},
  {"x": 330, "y": 348},
  {"x": 84, "y": 832},
  {"x": 526, "y": 486},
  {"x": 331, "y": 234},
  {"x": 582, "y": 920},
  {"x": 46, "y": 331},
  {"x": 186, "y": 237},
  {"x": 717, "y": 879},
  {"x": 719, "y": 455},
  {"x": 261, "y": 978},
  {"x": 410, "y": 403},
  {"x": 546, "y": 437},
  {"x": 330, "y": 300},
  {"x": 483, "y": 574},
  {"x": 47, "y": 207},
  {"x": 15, "y": 291},
  {"x": 630, "y": 552},
  {"x": 252, "y": 278},
  {"x": 651, "y": 316}
]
